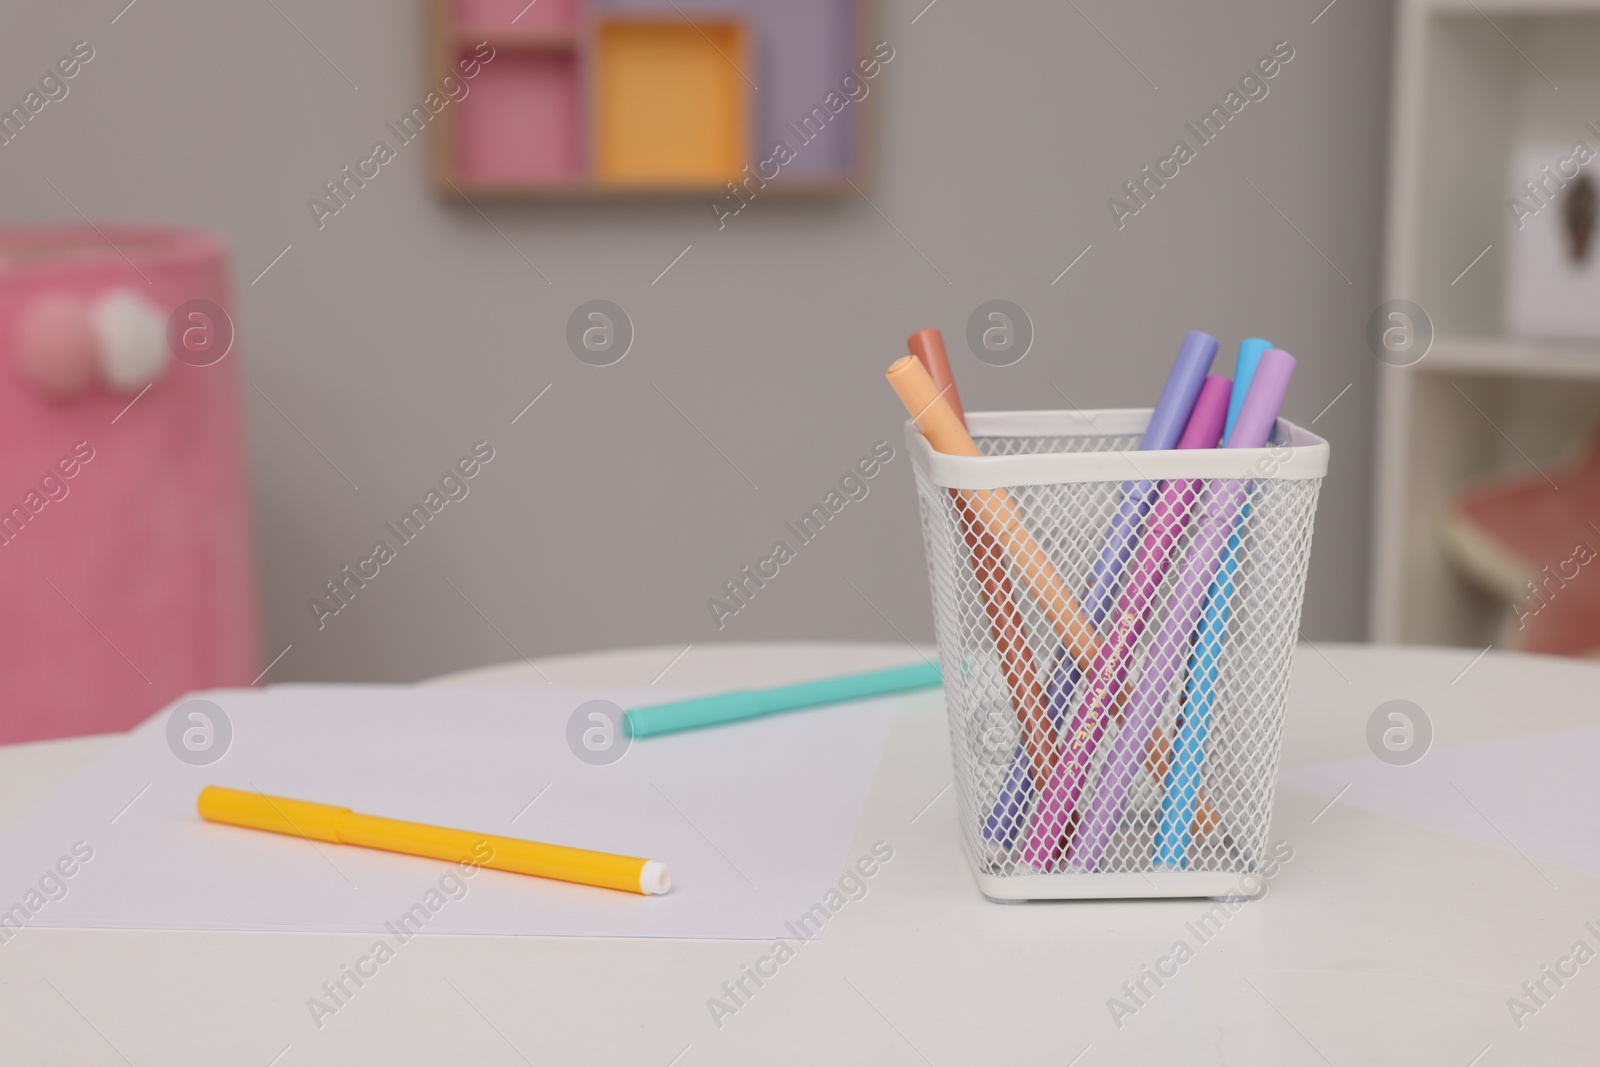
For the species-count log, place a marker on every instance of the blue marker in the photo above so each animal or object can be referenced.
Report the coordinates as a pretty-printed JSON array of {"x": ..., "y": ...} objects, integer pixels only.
[
  {"x": 1181, "y": 790},
  {"x": 1244, "y": 370}
]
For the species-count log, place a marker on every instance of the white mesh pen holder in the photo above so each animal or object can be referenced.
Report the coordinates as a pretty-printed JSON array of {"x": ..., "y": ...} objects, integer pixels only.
[{"x": 1115, "y": 631}]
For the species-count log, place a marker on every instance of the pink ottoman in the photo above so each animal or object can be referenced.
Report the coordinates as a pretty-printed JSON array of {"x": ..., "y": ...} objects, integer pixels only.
[{"x": 127, "y": 573}]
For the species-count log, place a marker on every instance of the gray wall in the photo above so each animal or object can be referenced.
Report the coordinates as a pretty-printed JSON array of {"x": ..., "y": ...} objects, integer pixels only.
[{"x": 409, "y": 327}]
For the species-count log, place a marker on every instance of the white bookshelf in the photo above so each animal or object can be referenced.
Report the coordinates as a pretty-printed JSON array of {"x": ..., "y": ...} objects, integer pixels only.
[{"x": 1472, "y": 82}]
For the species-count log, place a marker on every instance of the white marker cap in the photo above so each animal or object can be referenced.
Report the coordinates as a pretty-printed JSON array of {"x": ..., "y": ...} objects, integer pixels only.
[{"x": 654, "y": 878}]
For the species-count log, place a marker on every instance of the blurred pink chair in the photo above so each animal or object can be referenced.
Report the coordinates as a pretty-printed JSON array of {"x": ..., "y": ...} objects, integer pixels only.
[
  {"x": 1538, "y": 547},
  {"x": 127, "y": 572}
]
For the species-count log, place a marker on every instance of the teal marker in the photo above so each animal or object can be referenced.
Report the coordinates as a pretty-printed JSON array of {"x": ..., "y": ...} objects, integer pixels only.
[
  {"x": 741, "y": 704},
  {"x": 1244, "y": 370}
]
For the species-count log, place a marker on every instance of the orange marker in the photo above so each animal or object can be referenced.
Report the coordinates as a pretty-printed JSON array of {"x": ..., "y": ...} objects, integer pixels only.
[
  {"x": 994, "y": 588},
  {"x": 995, "y": 508}
]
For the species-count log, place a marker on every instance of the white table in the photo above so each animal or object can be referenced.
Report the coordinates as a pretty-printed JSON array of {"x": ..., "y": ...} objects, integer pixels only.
[{"x": 1381, "y": 942}]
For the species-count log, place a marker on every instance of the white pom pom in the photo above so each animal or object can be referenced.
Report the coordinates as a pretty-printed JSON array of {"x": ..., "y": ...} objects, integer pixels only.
[{"x": 133, "y": 340}]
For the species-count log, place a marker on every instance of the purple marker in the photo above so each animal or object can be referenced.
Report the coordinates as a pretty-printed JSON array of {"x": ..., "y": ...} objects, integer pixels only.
[
  {"x": 1059, "y": 799},
  {"x": 1170, "y": 649},
  {"x": 1164, "y": 430},
  {"x": 1258, "y": 416}
]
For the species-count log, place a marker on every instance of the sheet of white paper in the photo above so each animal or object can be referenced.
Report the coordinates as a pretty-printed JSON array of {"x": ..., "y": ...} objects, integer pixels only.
[
  {"x": 1536, "y": 795},
  {"x": 755, "y": 820}
]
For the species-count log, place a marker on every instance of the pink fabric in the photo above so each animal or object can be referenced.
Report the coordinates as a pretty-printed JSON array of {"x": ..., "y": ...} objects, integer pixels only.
[
  {"x": 138, "y": 584},
  {"x": 56, "y": 347}
]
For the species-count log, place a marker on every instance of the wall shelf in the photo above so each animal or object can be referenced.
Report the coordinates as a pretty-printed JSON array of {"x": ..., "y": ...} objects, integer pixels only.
[{"x": 609, "y": 98}]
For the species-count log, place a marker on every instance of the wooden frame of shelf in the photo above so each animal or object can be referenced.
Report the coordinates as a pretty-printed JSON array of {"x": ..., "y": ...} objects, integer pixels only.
[
  {"x": 1514, "y": 358},
  {"x": 523, "y": 40}
]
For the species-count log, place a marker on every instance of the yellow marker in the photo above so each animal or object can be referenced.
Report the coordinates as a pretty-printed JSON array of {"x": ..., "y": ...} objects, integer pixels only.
[{"x": 341, "y": 826}]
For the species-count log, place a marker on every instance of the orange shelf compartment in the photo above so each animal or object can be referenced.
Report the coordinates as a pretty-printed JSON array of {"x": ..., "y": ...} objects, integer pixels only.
[{"x": 672, "y": 107}]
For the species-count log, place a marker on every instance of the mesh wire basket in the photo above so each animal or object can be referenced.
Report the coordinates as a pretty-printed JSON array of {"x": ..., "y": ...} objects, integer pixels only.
[{"x": 1115, "y": 629}]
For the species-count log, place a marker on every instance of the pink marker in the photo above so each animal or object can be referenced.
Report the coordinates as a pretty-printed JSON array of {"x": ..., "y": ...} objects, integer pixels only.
[
  {"x": 1169, "y": 652},
  {"x": 1053, "y": 818}
]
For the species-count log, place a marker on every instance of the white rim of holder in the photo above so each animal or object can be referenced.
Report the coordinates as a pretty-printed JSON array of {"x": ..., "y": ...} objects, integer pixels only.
[{"x": 1296, "y": 453}]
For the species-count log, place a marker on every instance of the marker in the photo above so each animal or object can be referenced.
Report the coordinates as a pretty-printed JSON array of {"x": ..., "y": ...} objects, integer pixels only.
[
  {"x": 1057, "y": 808},
  {"x": 945, "y": 433},
  {"x": 1164, "y": 430},
  {"x": 1170, "y": 418},
  {"x": 1168, "y": 652},
  {"x": 696, "y": 713},
  {"x": 1181, "y": 784},
  {"x": 928, "y": 346},
  {"x": 1006, "y": 627},
  {"x": 341, "y": 826},
  {"x": 1167, "y": 421},
  {"x": 1244, "y": 370},
  {"x": 1258, "y": 415}
]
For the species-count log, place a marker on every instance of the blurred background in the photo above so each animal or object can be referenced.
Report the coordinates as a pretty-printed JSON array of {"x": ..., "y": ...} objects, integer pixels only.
[{"x": 386, "y": 326}]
